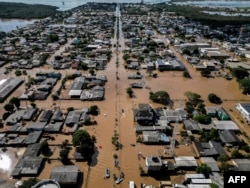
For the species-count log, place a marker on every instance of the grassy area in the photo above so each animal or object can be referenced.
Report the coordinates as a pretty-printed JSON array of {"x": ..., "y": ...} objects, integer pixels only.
[{"x": 25, "y": 11}]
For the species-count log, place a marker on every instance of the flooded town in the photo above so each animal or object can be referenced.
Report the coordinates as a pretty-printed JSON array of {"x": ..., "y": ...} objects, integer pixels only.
[{"x": 123, "y": 95}]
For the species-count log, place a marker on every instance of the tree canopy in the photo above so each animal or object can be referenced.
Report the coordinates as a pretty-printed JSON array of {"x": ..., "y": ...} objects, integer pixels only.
[
  {"x": 15, "y": 101},
  {"x": 193, "y": 97},
  {"x": 245, "y": 85},
  {"x": 239, "y": 73},
  {"x": 161, "y": 97},
  {"x": 84, "y": 143},
  {"x": 81, "y": 137},
  {"x": 204, "y": 169},
  {"x": 213, "y": 98}
]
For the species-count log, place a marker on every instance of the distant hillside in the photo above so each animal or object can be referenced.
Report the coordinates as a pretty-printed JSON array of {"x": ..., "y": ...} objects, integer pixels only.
[{"x": 25, "y": 11}]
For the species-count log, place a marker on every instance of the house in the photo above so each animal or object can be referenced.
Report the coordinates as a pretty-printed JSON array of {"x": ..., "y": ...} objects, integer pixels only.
[
  {"x": 76, "y": 88},
  {"x": 7, "y": 86},
  {"x": 242, "y": 165},
  {"x": 29, "y": 164},
  {"x": 228, "y": 137},
  {"x": 163, "y": 65},
  {"x": 222, "y": 114},
  {"x": 36, "y": 126},
  {"x": 244, "y": 110},
  {"x": 211, "y": 162},
  {"x": 153, "y": 163},
  {"x": 226, "y": 125},
  {"x": 57, "y": 116},
  {"x": 73, "y": 118},
  {"x": 134, "y": 65},
  {"x": 217, "y": 111},
  {"x": 208, "y": 149},
  {"x": 29, "y": 113},
  {"x": 154, "y": 137},
  {"x": 96, "y": 93},
  {"x": 188, "y": 162},
  {"x": 54, "y": 127},
  {"x": 191, "y": 125},
  {"x": 177, "y": 65},
  {"x": 65, "y": 175},
  {"x": 144, "y": 113},
  {"x": 134, "y": 76},
  {"x": 33, "y": 137},
  {"x": 15, "y": 117},
  {"x": 46, "y": 115}
]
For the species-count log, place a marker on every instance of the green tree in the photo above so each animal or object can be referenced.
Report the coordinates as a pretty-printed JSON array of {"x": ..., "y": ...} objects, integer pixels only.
[
  {"x": 161, "y": 97},
  {"x": 239, "y": 73},
  {"x": 18, "y": 73},
  {"x": 130, "y": 92},
  {"x": 236, "y": 154},
  {"x": 45, "y": 150},
  {"x": 245, "y": 85},
  {"x": 9, "y": 107},
  {"x": 205, "y": 73},
  {"x": 192, "y": 97},
  {"x": 52, "y": 38},
  {"x": 186, "y": 74},
  {"x": 81, "y": 137},
  {"x": 126, "y": 57},
  {"x": 94, "y": 110},
  {"x": 84, "y": 143},
  {"x": 213, "y": 98},
  {"x": 204, "y": 169},
  {"x": 64, "y": 155},
  {"x": 223, "y": 158},
  {"x": 91, "y": 71},
  {"x": 29, "y": 183},
  {"x": 203, "y": 118},
  {"x": 15, "y": 101},
  {"x": 213, "y": 185}
]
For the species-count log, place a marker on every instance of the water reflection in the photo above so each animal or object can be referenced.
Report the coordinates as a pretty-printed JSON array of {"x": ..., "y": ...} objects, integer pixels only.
[
  {"x": 8, "y": 25},
  {"x": 5, "y": 162}
]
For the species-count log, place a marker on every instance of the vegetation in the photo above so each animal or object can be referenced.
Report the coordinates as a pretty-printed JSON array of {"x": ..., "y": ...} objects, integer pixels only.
[
  {"x": 213, "y": 98},
  {"x": 236, "y": 154},
  {"x": 84, "y": 143},
  {"x": 193, "y": 98},
  {"x": 196, "y": 14},
  {"x": 45, "y": 150},
  {"x": 161, "y": 97},
  {"x": 29, "y": 183},
  {"x": 9, "y": 107},
  {"x": 204, "y": 169},
  {"x": 18, "y": 73},
  {"x": 25, "y": 11},
  {"x": 130, "y": 92},
  {"x": 94, "y": 110},
  {"x": 239, "y": 73},
  {"x": 213, "y": 185},
  {"x": 64, "y": 152},
  {"x": 205, "y": 73},
  {"x": 245, "y": 85},
  {"x": 203, "y": 118},
  {"x": 212, "y": 134},
  {"x": 186, "y": 74}
]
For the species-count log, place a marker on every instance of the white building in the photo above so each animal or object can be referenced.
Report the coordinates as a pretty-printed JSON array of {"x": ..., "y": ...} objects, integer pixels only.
[{"x": 244, "y": 110}]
